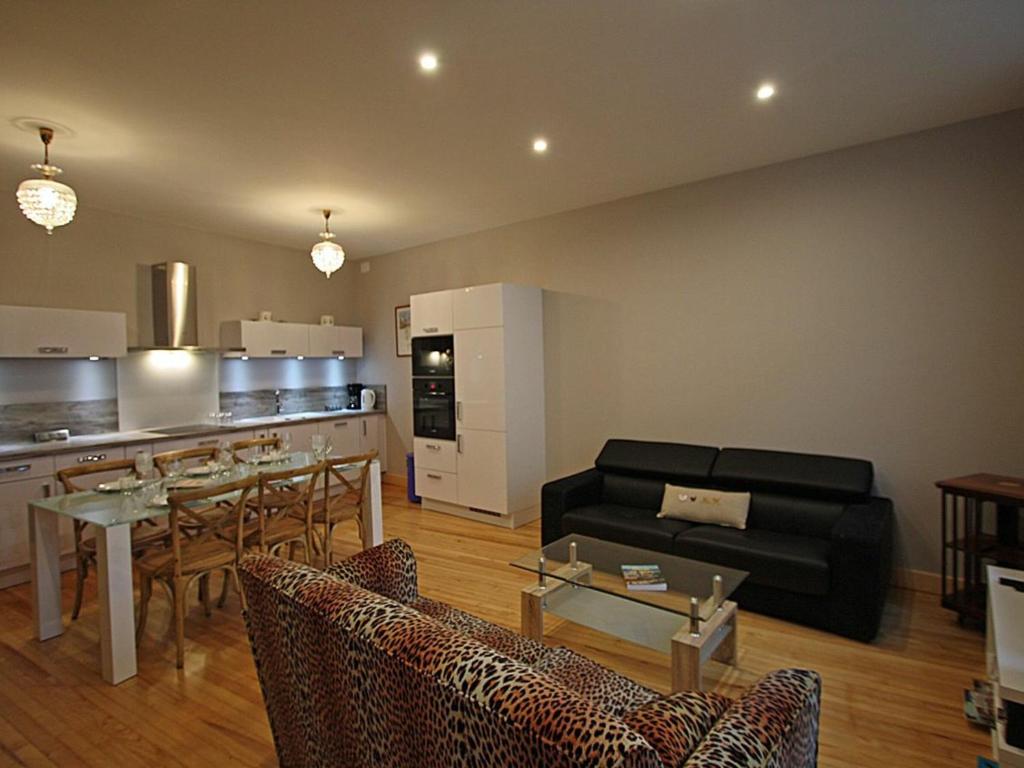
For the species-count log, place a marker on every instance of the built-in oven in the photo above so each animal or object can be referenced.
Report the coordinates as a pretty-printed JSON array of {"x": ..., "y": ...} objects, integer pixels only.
[
  {"x": 433, "y": 408},
  {"x": 433, "y": 356}
]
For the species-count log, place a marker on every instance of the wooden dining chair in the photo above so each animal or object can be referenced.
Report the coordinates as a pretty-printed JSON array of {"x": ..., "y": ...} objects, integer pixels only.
[
  {"x": 240, "y": 449},
  {"x": 346, "y": 480},
  {"x": 189, "y": 457},
  {"x": 202, "y": 543},
  {"x": 285, "y": 510},
  {"x": 145, "y": 535}
]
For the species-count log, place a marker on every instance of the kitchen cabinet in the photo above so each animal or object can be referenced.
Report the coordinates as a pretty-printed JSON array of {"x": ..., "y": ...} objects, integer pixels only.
[
  {"x": 301, "y": 433},
  {"x": 335, "y": 341},
  {"x": 481, "y": 467},
  {"x": 431, "y": 313},
  {"x": 61, "y": 333},
  {"x": 480, "y": 379},
  {"x": 498, "y": 465},
  {"x": 20, "y": 483},
  {"x": 344, "y": 435},
  {"x": 478, "y": 306},
  {"x": 260, "y": 338},
  {"x": 369, "y": 434}
]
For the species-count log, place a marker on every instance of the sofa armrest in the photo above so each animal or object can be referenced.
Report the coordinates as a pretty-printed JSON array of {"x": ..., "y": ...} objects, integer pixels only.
[
  {"x": 860, "y": 561},
  {"x": 775, "y": 723},
  {"x": 388, "y": 569},
  {"x": 559, "y": 496}
]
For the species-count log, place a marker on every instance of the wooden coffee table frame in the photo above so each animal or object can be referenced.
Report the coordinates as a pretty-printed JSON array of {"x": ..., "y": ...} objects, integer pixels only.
[{"x": 691, "y": 650}]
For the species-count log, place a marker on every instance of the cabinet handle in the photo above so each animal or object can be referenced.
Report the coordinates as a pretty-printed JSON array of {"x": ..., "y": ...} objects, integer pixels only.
[
  {"x": 364, "y": 428},
  {"x": 207, "y": 442},
  {"x": 18, "y": 468},
  {"x": 337, "y": 351},
  {"x": 92, "y": 457},
  {"x": 430, "y": 330},
  {"x": 432, "y": 476},
  {"x": 279, "y": 351},
  {"x": 458, "y": 443},
  {"x": 433, "y": 447},
  {"x": 458, "y": 410},
  {"x": 52, "y": 350},
  {"x": 341, "y": 424}
]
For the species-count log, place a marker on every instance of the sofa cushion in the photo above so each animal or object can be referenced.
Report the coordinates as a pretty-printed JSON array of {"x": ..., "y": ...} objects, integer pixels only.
[
  {"x": 505, "y": 641},
  {"x": 676, "y": 724},
  {"x": 612, "y": 692},
  {"x": 703, "y": 505},
  {"x": 674, "y": 462},
  {"x": 780, "y": 560},
  {"x": 801, "y": 474},
  {"x": 625, "y": 525},
  {"x": 794, "y": 514},
  {"x": 628, "y": 491}
]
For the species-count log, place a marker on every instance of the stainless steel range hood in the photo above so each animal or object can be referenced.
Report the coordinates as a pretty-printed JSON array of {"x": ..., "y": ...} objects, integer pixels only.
[{"x": 175, "y": 315}]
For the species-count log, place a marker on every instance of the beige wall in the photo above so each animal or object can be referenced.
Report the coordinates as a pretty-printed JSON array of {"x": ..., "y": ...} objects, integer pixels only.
[
  {"x": 95, "y": 263},
  {"x": 865, "y": 302}
]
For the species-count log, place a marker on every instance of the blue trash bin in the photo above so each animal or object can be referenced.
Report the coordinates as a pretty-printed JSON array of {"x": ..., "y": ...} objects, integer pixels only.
[{"x": 410, "y": 478}]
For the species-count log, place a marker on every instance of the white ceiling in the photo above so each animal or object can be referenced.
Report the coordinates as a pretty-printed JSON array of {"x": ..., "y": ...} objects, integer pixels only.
[{"x": 248, "y": 117}]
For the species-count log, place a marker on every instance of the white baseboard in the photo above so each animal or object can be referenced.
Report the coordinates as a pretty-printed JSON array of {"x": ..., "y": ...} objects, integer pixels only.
[
  {"x": 21, "y": 574},
  {"x": 512, "y": 520}
]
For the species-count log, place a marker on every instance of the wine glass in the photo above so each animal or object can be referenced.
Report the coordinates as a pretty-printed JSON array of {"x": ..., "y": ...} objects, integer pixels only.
[
  {"x": 286, "y": 442},
  {"x": 175, "y": 469},
  {"x": 319, "y": 444}
]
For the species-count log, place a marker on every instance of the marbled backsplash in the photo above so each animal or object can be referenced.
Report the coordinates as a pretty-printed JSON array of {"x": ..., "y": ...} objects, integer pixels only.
[
  {"x": 18, "y": 421},
  {"x": 261, "y": 402}
]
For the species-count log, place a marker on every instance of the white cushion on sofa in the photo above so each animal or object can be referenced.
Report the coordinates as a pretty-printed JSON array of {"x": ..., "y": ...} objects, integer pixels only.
[{"x": 702, "y": 505}]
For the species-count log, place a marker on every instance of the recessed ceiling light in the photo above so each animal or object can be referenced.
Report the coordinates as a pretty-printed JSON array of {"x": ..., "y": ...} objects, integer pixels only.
[
  {"x": 300, "y": 357},
  {"x": 540, "y": 145},
  {"x": 94, "y": 358},
  {"x": 428, "y": 61},
  {"x": 765, "y": 91}
]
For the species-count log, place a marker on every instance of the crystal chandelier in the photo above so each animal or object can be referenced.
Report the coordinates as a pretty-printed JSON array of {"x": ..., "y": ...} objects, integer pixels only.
[
  {"x": 327, "y": 256},
  {"x": 47, "y": 202}
]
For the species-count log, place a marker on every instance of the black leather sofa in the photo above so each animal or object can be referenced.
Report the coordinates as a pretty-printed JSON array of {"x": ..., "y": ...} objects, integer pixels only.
[{"x": 817, "y": 544}]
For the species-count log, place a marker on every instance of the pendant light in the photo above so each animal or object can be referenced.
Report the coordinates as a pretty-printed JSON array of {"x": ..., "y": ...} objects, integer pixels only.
[
  {"x": 47, "y": 202},
  {"x": 327, "y": 256}
]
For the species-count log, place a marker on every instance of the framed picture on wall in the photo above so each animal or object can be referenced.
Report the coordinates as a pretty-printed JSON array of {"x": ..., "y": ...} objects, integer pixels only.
[{"x": 403, "y": 331}]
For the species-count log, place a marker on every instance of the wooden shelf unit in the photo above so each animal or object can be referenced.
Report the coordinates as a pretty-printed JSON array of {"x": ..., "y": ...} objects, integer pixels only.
[{"x": 980, "y": 527}]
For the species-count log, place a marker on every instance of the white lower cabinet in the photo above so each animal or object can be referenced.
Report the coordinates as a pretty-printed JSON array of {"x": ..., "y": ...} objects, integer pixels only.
[
  {"x": 344, "y": 435},
  {"x": 432, "y": 484},
  {"x": 301, "y": 434},
  {"x": 20, "y": 483},
  {"x": 434, "y": 454},
  {"x": 482, "y": 470}
]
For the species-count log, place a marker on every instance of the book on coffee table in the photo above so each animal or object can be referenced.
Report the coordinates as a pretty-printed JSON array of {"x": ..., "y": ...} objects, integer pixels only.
[{"x": 644, "y": 578}]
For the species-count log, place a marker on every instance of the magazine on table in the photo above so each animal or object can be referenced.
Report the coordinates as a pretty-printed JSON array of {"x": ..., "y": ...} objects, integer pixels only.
[{"x": 644, "y": 578}]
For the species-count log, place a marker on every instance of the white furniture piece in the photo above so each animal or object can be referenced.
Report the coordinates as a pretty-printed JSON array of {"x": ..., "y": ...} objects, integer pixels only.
[
  {"x": 112, "y": 517},
  {"x": 494, "y": 470},
  {"x": 1004, "y": 656},
  {"x": 264, "y": 338},
  {"x": 61, "y": 333}
]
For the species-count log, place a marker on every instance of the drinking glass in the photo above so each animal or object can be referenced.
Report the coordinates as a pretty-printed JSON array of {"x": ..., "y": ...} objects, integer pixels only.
[
  {"x": 286, "y": 442},
  {"x": 143, "y": 464},
  {"x": 319, "y": 446}
]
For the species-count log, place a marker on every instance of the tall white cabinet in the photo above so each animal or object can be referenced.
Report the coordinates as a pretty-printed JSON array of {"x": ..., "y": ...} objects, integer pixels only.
[{"x": 498, "y": 466}]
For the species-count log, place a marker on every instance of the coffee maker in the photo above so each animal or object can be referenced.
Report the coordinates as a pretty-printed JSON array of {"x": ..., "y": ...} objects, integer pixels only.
[{"x": 354, "y": 392}]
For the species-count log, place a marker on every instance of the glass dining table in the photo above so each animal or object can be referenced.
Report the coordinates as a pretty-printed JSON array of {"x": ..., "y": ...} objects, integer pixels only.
[{"x": 112, "y": 516}]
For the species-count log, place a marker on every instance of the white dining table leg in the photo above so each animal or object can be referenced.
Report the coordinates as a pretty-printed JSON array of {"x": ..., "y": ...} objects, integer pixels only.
[
  {"x": 44, "y": 556},
  {"x": 373, "y": 513},
  {"x": 116, "y": 602}
]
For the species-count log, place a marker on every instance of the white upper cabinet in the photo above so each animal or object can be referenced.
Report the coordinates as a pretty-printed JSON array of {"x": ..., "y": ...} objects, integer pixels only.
[
  {"x": 480, "y": 379},
  {"x": 45, "y": 332},
  {"x": 480, "y": 306},
  {"x": 431, "y": 313},
  {"x": 335, "y": 341},
  {"x": 265, "y": 339}
]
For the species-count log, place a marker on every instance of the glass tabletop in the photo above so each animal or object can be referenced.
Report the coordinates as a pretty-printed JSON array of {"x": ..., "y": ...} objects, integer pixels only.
[
  {"x": 597, "y": 567},
  {"x": 109, "y": 509}
]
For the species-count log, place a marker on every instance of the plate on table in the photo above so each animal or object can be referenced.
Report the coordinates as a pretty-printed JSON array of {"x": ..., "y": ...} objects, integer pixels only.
[
  {"x": 122, "y": 485},
  {"x": 203, "y": 470},
  {"x": 268, "y": 458}
]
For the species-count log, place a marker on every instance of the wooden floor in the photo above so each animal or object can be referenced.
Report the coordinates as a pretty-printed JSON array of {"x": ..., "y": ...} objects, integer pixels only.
[{"x": 896, "y": 702}]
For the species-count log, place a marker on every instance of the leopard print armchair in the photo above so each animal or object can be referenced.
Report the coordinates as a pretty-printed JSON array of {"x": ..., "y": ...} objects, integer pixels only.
[{"x": 358, "y": 669}]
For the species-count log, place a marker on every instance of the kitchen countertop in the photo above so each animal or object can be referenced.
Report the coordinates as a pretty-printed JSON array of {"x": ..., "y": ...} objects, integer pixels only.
[{"x": 24, "y": 450}]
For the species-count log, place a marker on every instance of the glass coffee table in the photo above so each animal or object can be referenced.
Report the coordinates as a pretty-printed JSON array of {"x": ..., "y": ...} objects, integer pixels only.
[{"x": 580, "y": 579}]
